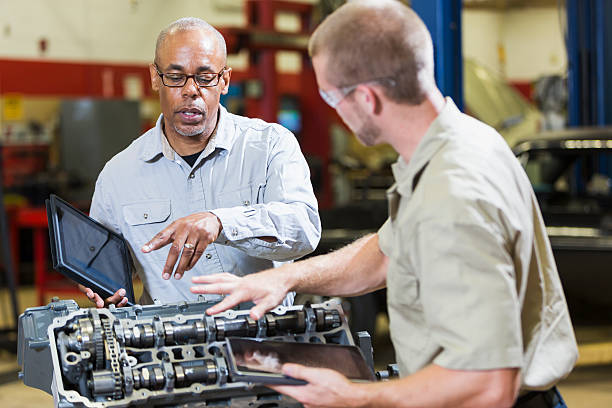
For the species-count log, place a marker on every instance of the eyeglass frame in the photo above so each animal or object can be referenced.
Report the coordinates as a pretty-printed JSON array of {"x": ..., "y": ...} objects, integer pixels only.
[
  {"x": 218, "y": 75},
  {"x": 344, "y": 91}
]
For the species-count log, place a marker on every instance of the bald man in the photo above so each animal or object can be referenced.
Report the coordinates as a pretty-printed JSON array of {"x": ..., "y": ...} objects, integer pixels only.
[
  {"x": 204, "y": 191},
  {"x": 477, "y": 313}
]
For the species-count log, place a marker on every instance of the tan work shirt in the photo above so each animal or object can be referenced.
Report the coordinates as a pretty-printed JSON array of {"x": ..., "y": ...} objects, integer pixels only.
[{"x": 472, "y": 282}]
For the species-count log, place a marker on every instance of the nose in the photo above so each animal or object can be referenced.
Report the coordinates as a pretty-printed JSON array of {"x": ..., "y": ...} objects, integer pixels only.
[{"x": 191, "y": 89}]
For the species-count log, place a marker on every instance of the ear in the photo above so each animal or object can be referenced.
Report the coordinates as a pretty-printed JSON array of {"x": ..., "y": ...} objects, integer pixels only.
[
  {"x": 226, "y": 80},
  {"x": 368, "y": 99},
  {"x": 155, "y": 79}
]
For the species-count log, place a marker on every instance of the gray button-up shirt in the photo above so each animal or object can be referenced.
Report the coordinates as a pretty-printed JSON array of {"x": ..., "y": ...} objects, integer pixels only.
[{"x": 252, "y": 175}]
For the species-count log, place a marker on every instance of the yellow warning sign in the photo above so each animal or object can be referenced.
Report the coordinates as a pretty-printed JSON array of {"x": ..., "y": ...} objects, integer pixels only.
[{"x": 12, "y": 108}]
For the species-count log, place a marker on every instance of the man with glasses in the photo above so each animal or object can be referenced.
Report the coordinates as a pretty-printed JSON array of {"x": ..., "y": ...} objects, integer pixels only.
[
  {"x": 204, "y": 191},
  {"x": 477, "y": 313}
]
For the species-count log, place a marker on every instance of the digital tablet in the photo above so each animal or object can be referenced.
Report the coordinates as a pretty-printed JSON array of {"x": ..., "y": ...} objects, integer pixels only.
[
  {"x": 259, "y": 361},
  {"x": 87, "y": 252}
]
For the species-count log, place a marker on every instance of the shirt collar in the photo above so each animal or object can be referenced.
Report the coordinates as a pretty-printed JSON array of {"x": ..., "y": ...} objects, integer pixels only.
[
  {"x": 153, "y": 144},
  {"x": 157, "y": 142},
  {"x": 224, "y": 132},
  {"x": 433, "y": 140}
]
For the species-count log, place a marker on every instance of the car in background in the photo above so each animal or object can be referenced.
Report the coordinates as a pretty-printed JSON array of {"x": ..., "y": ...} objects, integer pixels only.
[
  {"x": 571, "y": 174},
  {"x": 491, "y": 99}
]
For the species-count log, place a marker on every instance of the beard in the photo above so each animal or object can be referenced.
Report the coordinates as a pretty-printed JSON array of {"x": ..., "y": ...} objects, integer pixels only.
[
  {"x": 191, "y": 132},
  {"x": 369, "y": 133}
]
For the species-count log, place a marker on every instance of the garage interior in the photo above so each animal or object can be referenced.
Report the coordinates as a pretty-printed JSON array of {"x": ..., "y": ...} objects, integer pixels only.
[{"x": 537, "y": 71}]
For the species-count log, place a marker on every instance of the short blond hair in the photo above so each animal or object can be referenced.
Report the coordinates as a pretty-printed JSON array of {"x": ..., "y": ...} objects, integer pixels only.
[{"x": 374, "y": 39}]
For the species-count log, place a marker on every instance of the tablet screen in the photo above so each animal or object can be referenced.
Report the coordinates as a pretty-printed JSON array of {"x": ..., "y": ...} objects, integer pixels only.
[
  {"x": 88, "y": 252},
  {"x": 261, "y": 358}
]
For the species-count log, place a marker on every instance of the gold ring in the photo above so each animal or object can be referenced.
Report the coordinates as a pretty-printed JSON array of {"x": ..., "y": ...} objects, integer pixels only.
[{"x": 189, "y": 246}]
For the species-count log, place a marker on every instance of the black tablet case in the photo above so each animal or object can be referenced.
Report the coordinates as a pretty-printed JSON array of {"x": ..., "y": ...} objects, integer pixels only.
[{"x": 87, "y": 252}]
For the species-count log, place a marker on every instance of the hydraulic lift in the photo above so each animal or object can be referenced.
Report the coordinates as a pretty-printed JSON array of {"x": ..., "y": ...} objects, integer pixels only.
[{"x": 589, "y": 51}]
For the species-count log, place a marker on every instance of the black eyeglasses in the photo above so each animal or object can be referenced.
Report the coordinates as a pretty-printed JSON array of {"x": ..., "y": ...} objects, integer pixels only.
[{"x": 203, "y": 80}]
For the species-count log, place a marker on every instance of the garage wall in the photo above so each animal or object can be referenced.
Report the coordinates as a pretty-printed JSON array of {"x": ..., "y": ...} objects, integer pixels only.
[
  {"x": 531, "y": 39},
  {"x": 482, "y": 36},
  {"x": 534, "y": 43},
  {"x": 98, "y": 30},
  {"x": 120, "y": 31},
  {"x": 124, "y": 31}
]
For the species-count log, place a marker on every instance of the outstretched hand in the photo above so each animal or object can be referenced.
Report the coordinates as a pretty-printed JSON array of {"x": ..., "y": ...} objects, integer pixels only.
[
  {"x": 325, "y": 388},
  {"x": 191, "y": 235},
  {"x": 266, "y": 289}
]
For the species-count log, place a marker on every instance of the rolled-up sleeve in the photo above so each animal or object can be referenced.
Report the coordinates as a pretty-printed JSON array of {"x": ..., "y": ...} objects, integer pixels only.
[
  {"x": 385, "y": 238},
  {"x": 469, "y": 295},
  {"x": 286, "y": 209}
]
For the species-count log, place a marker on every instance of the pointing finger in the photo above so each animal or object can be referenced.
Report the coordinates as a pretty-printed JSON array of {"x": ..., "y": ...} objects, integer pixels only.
[{"x": 161, "y": 239}]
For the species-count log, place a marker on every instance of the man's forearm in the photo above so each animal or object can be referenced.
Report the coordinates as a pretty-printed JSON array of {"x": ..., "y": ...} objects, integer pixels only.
[
  {"x": 358, "y": 268},
  {"x": 293, "y": 229},
  {"x": 435, "y": 386},
  {"x": 355, "y": 269}
]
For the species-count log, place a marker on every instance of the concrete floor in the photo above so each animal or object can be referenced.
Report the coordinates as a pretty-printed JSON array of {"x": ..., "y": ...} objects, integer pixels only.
[{"x": 588, "y": 386}]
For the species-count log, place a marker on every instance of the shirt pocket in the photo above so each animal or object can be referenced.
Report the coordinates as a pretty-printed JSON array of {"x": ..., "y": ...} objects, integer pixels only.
[
  {"x": 147, "y": 212},
  {"x": 407, "y": 324},
  {"x": 402, "y": 287},
  {"x": 243, "y": 196}
]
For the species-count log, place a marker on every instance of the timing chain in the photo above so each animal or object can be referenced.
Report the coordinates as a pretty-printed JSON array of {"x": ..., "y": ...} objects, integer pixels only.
[
  {"x": 113, "y": 357},
  {"x": 98, "y": 340}
]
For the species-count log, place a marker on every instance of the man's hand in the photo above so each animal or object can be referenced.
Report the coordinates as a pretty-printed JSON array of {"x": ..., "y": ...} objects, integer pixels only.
[
  {"x": 190, "y": 234},
  {"x": 118, "y": 299},
  {"x": 266, "y": 289},
  {"x": 325, "y": 388}
]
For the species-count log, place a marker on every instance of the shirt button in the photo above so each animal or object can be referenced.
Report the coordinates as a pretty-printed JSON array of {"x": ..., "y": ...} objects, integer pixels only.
[
  {"x": 234, "y": 232},
  {"x": 192, "y": 175},
  {"x": 246, "y": 202},
  {"x": 208, "y": 256},
  {"x": 145, "y": 216}
]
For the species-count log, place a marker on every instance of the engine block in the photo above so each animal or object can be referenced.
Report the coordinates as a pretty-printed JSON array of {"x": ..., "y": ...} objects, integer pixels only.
[{"x": 159, "y": 355}]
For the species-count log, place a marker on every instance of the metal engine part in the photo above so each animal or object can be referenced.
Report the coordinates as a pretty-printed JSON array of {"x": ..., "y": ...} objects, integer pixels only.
[{"x": 159, "y": 355}]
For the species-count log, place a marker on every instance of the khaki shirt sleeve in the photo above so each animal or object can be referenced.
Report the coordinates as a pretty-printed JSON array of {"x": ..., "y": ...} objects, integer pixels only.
[
  {"x": 385, "y": 238},
  {"x": 468, "y": 293}
]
